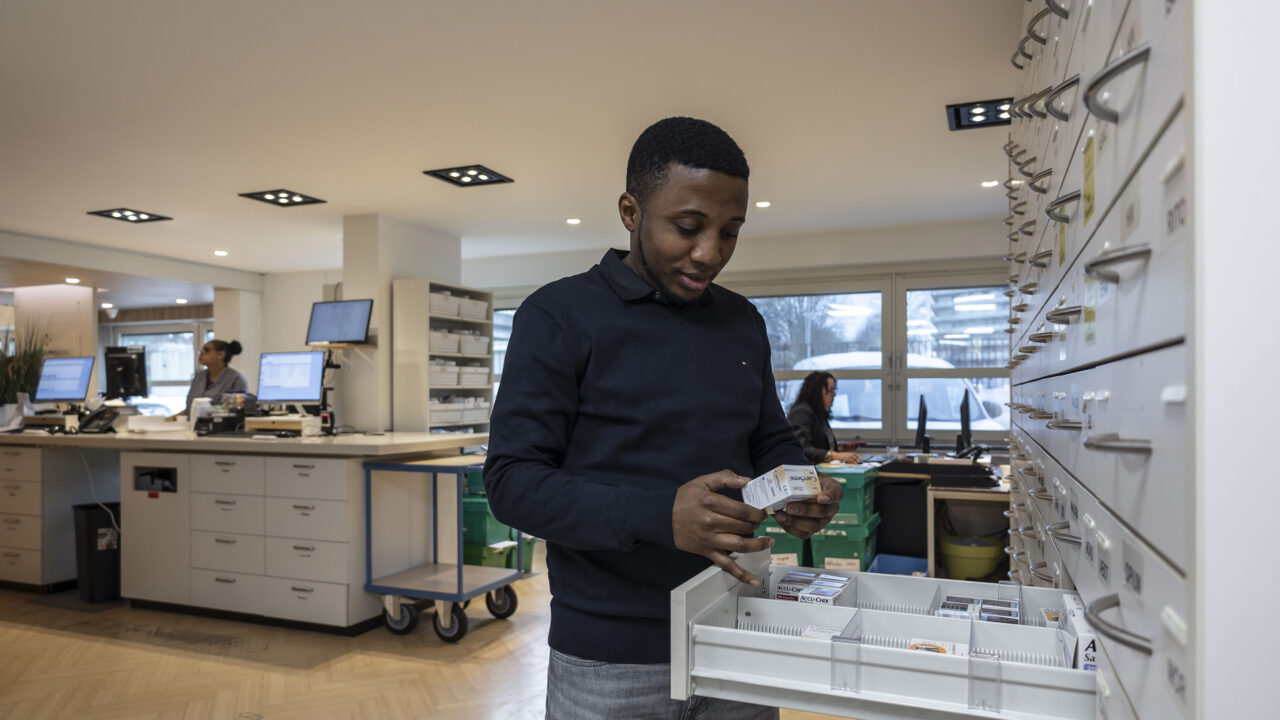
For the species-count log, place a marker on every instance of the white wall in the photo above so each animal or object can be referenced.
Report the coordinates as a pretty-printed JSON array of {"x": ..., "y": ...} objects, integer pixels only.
[
  {"x": 286, "y": 307},
  {"x": 237, "y": 315},
  {"x": 65, "y": 314}
]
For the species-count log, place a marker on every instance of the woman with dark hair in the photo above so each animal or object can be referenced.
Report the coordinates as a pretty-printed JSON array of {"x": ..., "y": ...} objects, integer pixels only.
[
  {"x": 810, "y": 418},
  {"x": 217, "y": 377}
]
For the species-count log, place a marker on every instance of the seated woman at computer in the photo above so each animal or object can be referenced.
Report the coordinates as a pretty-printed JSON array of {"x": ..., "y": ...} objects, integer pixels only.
[
  {"x": 217, "y": 377},
  {"x": 810, "y": 418}
]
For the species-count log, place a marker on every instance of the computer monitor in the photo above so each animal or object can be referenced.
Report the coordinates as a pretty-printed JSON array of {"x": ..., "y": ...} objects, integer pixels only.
[
  {"x": 341, "y": 321},
  {"x": 965, "y": 439},
  {"x": 126, "y": 369},
  {"x": 290, "y": 377},
  {"x": 922, "y": 419},
  {"x": 64, "y": 379}
]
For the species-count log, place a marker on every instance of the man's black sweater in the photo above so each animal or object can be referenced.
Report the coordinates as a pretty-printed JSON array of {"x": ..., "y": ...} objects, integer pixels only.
[{"x": 611, "y": 399}]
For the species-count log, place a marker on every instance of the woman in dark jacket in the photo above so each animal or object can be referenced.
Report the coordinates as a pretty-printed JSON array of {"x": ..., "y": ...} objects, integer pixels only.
[{"x": 810, "y": 419}]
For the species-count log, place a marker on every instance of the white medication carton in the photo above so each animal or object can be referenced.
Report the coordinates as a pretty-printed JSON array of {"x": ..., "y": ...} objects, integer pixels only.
[
  {"x": 784, "y": 484},
  {"x": 792, "y": 584},
  {"x": 1086, "y": 641},
  {"x": 940, "y": 647},
  {"x": 822, "y": 592}
]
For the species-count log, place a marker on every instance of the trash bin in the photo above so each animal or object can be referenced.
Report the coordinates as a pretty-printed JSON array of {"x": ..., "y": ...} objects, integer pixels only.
[{"x": 97, "y": 552}]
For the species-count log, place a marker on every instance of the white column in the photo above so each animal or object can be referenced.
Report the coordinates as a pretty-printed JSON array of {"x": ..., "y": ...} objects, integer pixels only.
[{"x": 237, "y": 315}]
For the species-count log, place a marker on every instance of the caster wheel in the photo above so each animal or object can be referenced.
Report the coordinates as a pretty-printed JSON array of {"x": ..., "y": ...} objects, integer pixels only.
[
  {"x": 456, "y": 629},
  {"x": 404, "y": 624},
  {"x": 501, "y": 602}
]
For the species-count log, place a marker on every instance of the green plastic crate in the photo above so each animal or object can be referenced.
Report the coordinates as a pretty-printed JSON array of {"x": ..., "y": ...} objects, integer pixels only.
[
  {"x": 528, "y": 553},
  {"x": 486, "y": 555},
  {"x": 859, "y": 490},
  {"x": 474, "y": 483},
  {"x": 842, "y": 546},
  {"x": 479, "y": 527},
  {"x": 783, "y": 542}
]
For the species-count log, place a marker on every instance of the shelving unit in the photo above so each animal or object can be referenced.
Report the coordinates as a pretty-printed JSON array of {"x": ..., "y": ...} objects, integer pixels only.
[{"x": 413, "y": 320}]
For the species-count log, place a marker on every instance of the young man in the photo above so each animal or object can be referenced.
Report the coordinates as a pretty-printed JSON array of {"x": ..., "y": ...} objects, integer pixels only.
[{"x": 620, "y": 385}]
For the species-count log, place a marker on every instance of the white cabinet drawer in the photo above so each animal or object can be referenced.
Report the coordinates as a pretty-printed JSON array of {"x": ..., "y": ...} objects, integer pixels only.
[
  {"x": 18, "y": 565},
  {"x": 306, "y": 601},
  {"x": 307, "y": 559},
  {"x": 235, "y": 474},
  {"x": 1112, "y": 702},
  {"x": 20, "y": 531},
  {"x": 20, "y": 464},
  {"x": 228, "y": 551},
  {"x": 310, "y": 519},
  {"x": 307, "y": 478},
  {"x": 228, "y": 513},
  {"x": 19, "y": 497},
  {"x": 235, "y": 592}
]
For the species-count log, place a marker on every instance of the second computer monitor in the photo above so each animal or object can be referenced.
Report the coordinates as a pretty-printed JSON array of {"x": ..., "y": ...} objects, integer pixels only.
[
  {"x": 126, "y": 371},
  {"x": 64, "y": 379},
  {"x": 290, "y": 377},
  {"x": 341, "y": 321}
]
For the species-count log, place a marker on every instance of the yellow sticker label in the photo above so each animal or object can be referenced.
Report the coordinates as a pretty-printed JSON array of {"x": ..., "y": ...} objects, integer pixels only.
[
  {"x": 1090, "y": 311},
  {"x": 1062, "y": 244},
  {"x": 1088, "y": 179}
]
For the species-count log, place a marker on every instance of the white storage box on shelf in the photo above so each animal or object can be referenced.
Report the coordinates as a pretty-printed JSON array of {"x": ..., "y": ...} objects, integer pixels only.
[
  {"x": 445, "y": 413},
  {"x": 729, "y": 640},
  {"x": 444, "y": 304},
  {"x": 470, "y": 376},
  {"x": 473, "y": 309},
  {"x": 443, "y": 341},
  {"x": 476, "y": 415},
  {"x": 473, "y": 344},
  {"x": 444, "y": 376}
]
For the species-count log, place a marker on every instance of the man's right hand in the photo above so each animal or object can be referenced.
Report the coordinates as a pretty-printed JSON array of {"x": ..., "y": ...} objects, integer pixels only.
[{"x": 709, "y": 524}]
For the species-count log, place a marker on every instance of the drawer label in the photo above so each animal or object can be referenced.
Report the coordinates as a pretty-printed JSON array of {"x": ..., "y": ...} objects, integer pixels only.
[
  {"x": 1062, "y": 244},
  {"x": 1090, "y": 311},
  {"x": 1131, "y": 217},
  {"x": 1133, "y": 569},
  {"x": 1177, "y": 680},
  {"x": 1075, "y": 506},
  {"x": 1088, "y": 179}
]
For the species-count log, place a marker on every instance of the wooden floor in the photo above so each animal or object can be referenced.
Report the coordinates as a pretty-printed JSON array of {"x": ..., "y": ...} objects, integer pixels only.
[{"x": 60, "y": 661}]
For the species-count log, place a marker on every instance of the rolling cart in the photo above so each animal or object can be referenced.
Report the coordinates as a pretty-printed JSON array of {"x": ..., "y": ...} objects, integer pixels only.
[{"x": 450, "y": 586}]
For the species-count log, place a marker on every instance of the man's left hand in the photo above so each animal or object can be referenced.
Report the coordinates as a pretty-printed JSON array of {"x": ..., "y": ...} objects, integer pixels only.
[{"x": 803, "y": 519}]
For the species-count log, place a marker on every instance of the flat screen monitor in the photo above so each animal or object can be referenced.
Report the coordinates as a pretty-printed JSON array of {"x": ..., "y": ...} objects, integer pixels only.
[
  {"x": 126, "y": 369},
  {"x": 966, "y": 431},
  {"x": 64, "y": 379},
  {"x": 922, "y": 420},
  {"x": 342, "y": 321},
  {"x": 290, "y": 377}
]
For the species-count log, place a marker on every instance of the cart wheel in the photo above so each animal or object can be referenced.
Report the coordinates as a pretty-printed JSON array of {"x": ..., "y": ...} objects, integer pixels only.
[
  {"x": 501, "y": 602},
  {"x": 456, "y": 630},
  {"x": 404, "y": 624}
]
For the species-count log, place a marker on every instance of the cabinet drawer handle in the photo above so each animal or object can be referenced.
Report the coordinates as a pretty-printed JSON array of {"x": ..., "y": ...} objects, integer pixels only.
[
  {"x": 1030, "y": 350},
  {"x": 1014, "y": 60},
  {"x": 1028, "y": 532},
  {"x": 1021, "y": 357},
  {"x": 304, "y": 507},
  {"x": 1064, "y": 315},
  {"x": 1020, "y": 307},
  {"x": 1093, "y": 613},
  {"x": 1058, "y": 9},
  {"x": 1028, "y": 289},
  {"x": 1019, "y": 507},
  {"x": 295, "y": 588},
  {"x": 1035, "y": 180},
  {"x": 1052, "y": 98},
  {"x": 1040, "y": 259},
  {"x": 224, "y": 463},
  {"x": 1016, "y": 208},
  {"x": 1020, "y": 556},
  {"x": 224, "y": 580},
  {"x": 1041, "y": 337},
  {"x": 225, "y": 541},
  {"x": 1035, "y": 567},
  {"x": 1123, "y": 254},
  {"x": 224, "y": 502},
  {"x": 1023, "y": 409},
  {"x": 1028, "y": 228},
  {"x": 1109, "y": 73},
  {"x": 1040, "y": 415},
  {"x": 13, "y": 521},
  {"x": 304, "y": 467},
  {"x": 1009, "y": 147},
  {"x": 1007, "y": 513},
  {"x": 1064, "y": 425},
  {"x": 1009, "y": 221},
  {"x": 1028, "y": 471},
  {"x": 1031, "y": 106},
  {"x": 1114, "y": 443},
  {"x": 1022, "y": 166},
  {"x": 12, "y": 453},
  {"x": 1035, "y": 20},
  {"x": 1008, "y": 549},
  {"x": 305, "y": 548},
  {"x": 1051, "y": 210},
  {"x": 13, "y": 555},
  {"x": 1041, "y": 495},
  {"x": 1056, "y": 531}
]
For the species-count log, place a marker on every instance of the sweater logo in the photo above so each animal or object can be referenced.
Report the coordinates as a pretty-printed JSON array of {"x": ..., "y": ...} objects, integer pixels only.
[{"x": 744, "y": 363}]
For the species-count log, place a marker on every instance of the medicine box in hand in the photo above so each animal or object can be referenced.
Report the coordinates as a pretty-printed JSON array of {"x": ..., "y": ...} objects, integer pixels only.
[{"x": 784, "y": 484}]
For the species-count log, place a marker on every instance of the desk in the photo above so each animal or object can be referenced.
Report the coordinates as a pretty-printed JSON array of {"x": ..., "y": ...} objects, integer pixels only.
[{"x": 997, "y": 495}]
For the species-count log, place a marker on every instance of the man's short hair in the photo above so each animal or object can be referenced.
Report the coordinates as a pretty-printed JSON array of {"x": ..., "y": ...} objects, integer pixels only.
[{"x": 684, "y": 140}]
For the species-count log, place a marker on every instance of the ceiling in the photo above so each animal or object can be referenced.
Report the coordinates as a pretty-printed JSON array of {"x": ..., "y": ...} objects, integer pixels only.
[{"x": 176, "y": 107}]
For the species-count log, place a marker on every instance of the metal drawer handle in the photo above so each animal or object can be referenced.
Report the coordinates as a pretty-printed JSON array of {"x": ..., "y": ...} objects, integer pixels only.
[
  {"x": 1109, "y": 73},
  {"x": 13, "y": 521},
  {"x": 1020, "y": 307},
  {"x": 1024, "y": 409},
  {"x": 13, "y": 555},
  {"x": 1014, "y": 60},
  {"x": 224, "y": 502},
  {"x": 1015, "y": 455},
  {"x": 225, "y": 541},
  {"x": 224, "y": 580},
  {"x": 1052, "y": 208},
  {"x": 1035, "y": 20},
  {"x": 1016, "y": 208},
  {"x": 1021, "y": 357},
  {"x": 1019, "y": 507},
  {"x": 305, "y": 548},
  {"x": 1028, "y": 471},
  {"x": 1093, "y": 613},
  {"x": 1041, "y": 415},
  {"x": 304, "y": 507},
  {"x": 1064, "y": 425},
  {"x": 1112, "y": 442},
  {"x": 1007, "y": 513},
  {"x": 1028, "y": 532},
  {"x": 1057, "y": 9},
  {"x": 1041, "y": 495},
  {"x": 1035, "y": 179},
  {"x": 1022, "y": 166},
  {"x": 1028, "y": 228},
  {"x": 224, "y": 463},
  {"x": 1124, "y": 254},
  {"x": 1012, "y": 237},
  {"x": 1041, "y": 258},
  {"x": 1014, "y": 320},
  {"x": 1064, "y": 315},
  {"x": 1020, "y": 257},
  {"x": 1028, "y": 289},
  {"x": 1009, "y": 293},
  {"x": 12, "y": 452},
  {"x": 1022, "y": 48},
  {"x": 295, "y": 588},
  {"x": 1053, "y": 96},
  {"x": 12, "y": 486},
  {"x": 1020, "y": 555},
  {"x": 305, "y": 467},
  {"x": 1035, "y": 567},
  {"x": 1057, "y": 532},
  {"x": 1029, "y": 349},
  {"x": 1009, "y": 220},
  {"x": 1009, "y": 147},
  {"x": 1008, "y": 549},
  {"x": 1041, "y": 337}
]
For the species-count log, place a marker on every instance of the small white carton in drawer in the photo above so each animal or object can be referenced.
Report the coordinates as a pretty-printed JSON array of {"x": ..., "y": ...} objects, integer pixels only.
[
  {"x": 1086, "y": 642},
  {"x": 786, "y": 483}
]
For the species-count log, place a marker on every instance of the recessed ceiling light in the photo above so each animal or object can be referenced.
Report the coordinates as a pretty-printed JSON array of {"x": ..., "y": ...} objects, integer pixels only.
[
  {"x": 73, "y": 281},
  {"x": 106, "y": 306},
  {"x": 990, "y": 183},
  {"x": 574, "y": 221},
  {"x": 280, "y": 196},
  {"x": 181, "y": 301},
  {"x": 127, "y": 215},
  {"x": 763, "y": 204},
  {"x": 963, "y": 116},
  {"x": 468, "y": 176},
  {"x": 220, "y": 253}
]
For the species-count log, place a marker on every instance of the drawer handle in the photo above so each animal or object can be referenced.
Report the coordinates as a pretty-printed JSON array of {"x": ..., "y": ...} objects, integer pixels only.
[
  {"x": 1007, "y": 513},
  {"x": 1035, "y": 567},
  {"x": 304, "y": 507},
  {"x": 1022, "y": 166},
  {"x": 225, "y": 541},
  {"x": 1057, "y": 9},
  {"x": 1009, "y": 147},
  {"x": 1028, "y": 228},
  {"x": 1051, "y": 210},
  {"x": 1041, "y": 337},
  {"x": 1008, "y": 549},
  {"x": 12, "y": 521},
  {"x": 1014, "y": 320},
  {"x": 1114, "y": 443},
  {"x": 1064, "y": 315},
  {"x": 1016, "y": 455},
  {"x": 224, "y": 463},
  {"x": 12, "y": 453},
  {"x": 1019, "y": 507},
  {"x": 305, "y": 548},
  {"x": 1052, "y": 98},
  {"x": 1040, "y": 259},
  {"x": 1013, "y": 158},
  {"x": 1129, "y": 253},
  {"x": 1023, "y": 408},
  {"x": 1021, "y": 556},
  {"x": 1020, "y": 307},
  {"x": 1035, "y": 20},
  {"x": 1107, "y": 74},
  {"x": 1014, "y": 208},
  {"x": 1020, "y": 257},
  {"x": 1014, "y": 60},
  {"x": 1028, "y": 289},
  {"x": 1041, "y": 495},
  {"x": 304, "y": 467},
  {"x": 1028, "y": 532},
  {"x": 1056, "y": 531},
  {"x": 1012, "y": 237},
  {"x": 1035, "y": 179},
  {"x": 1093, "y": 613},
  {"x": 1030, "y": 350},
  {"x": 295, "y": 588},
  {"x": 1022, "y": 356},
  {"x": 224, "y": 580},
  {"x": 12, "y": 486},
  {"x": 1064, "y": 425},
  {"x": 1031, "y": 106},
  {"x": 1040, "y": 415},
  {"x": 13, "y": 555},
  {"x": 1009, "y": 221},
  {"x": 1022, "y": 48},
  {"x": 224, "y": 502}
]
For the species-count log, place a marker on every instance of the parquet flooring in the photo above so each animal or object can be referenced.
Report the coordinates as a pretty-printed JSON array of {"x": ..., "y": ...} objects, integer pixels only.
[{"x": 126, "y": 663}]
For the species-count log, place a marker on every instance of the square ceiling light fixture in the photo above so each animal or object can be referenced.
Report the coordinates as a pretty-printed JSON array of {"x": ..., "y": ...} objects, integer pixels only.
[
  {"x": 282, "y": 197},
  {"x": 127, "y": 215},
  {"x": 984, "y": 113},
  {"x": 468, "y": 176}
]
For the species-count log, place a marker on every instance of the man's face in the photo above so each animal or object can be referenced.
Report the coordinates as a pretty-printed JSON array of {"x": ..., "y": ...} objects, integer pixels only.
[{"x": 687, "y": 230}]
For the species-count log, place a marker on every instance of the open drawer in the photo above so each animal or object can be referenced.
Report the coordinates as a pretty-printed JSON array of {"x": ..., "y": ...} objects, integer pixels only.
[{"x": 729, "y": 640}]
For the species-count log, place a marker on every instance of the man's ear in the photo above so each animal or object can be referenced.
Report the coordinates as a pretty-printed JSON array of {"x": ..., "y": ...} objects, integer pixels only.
[{"x": 629, "y": 211}]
